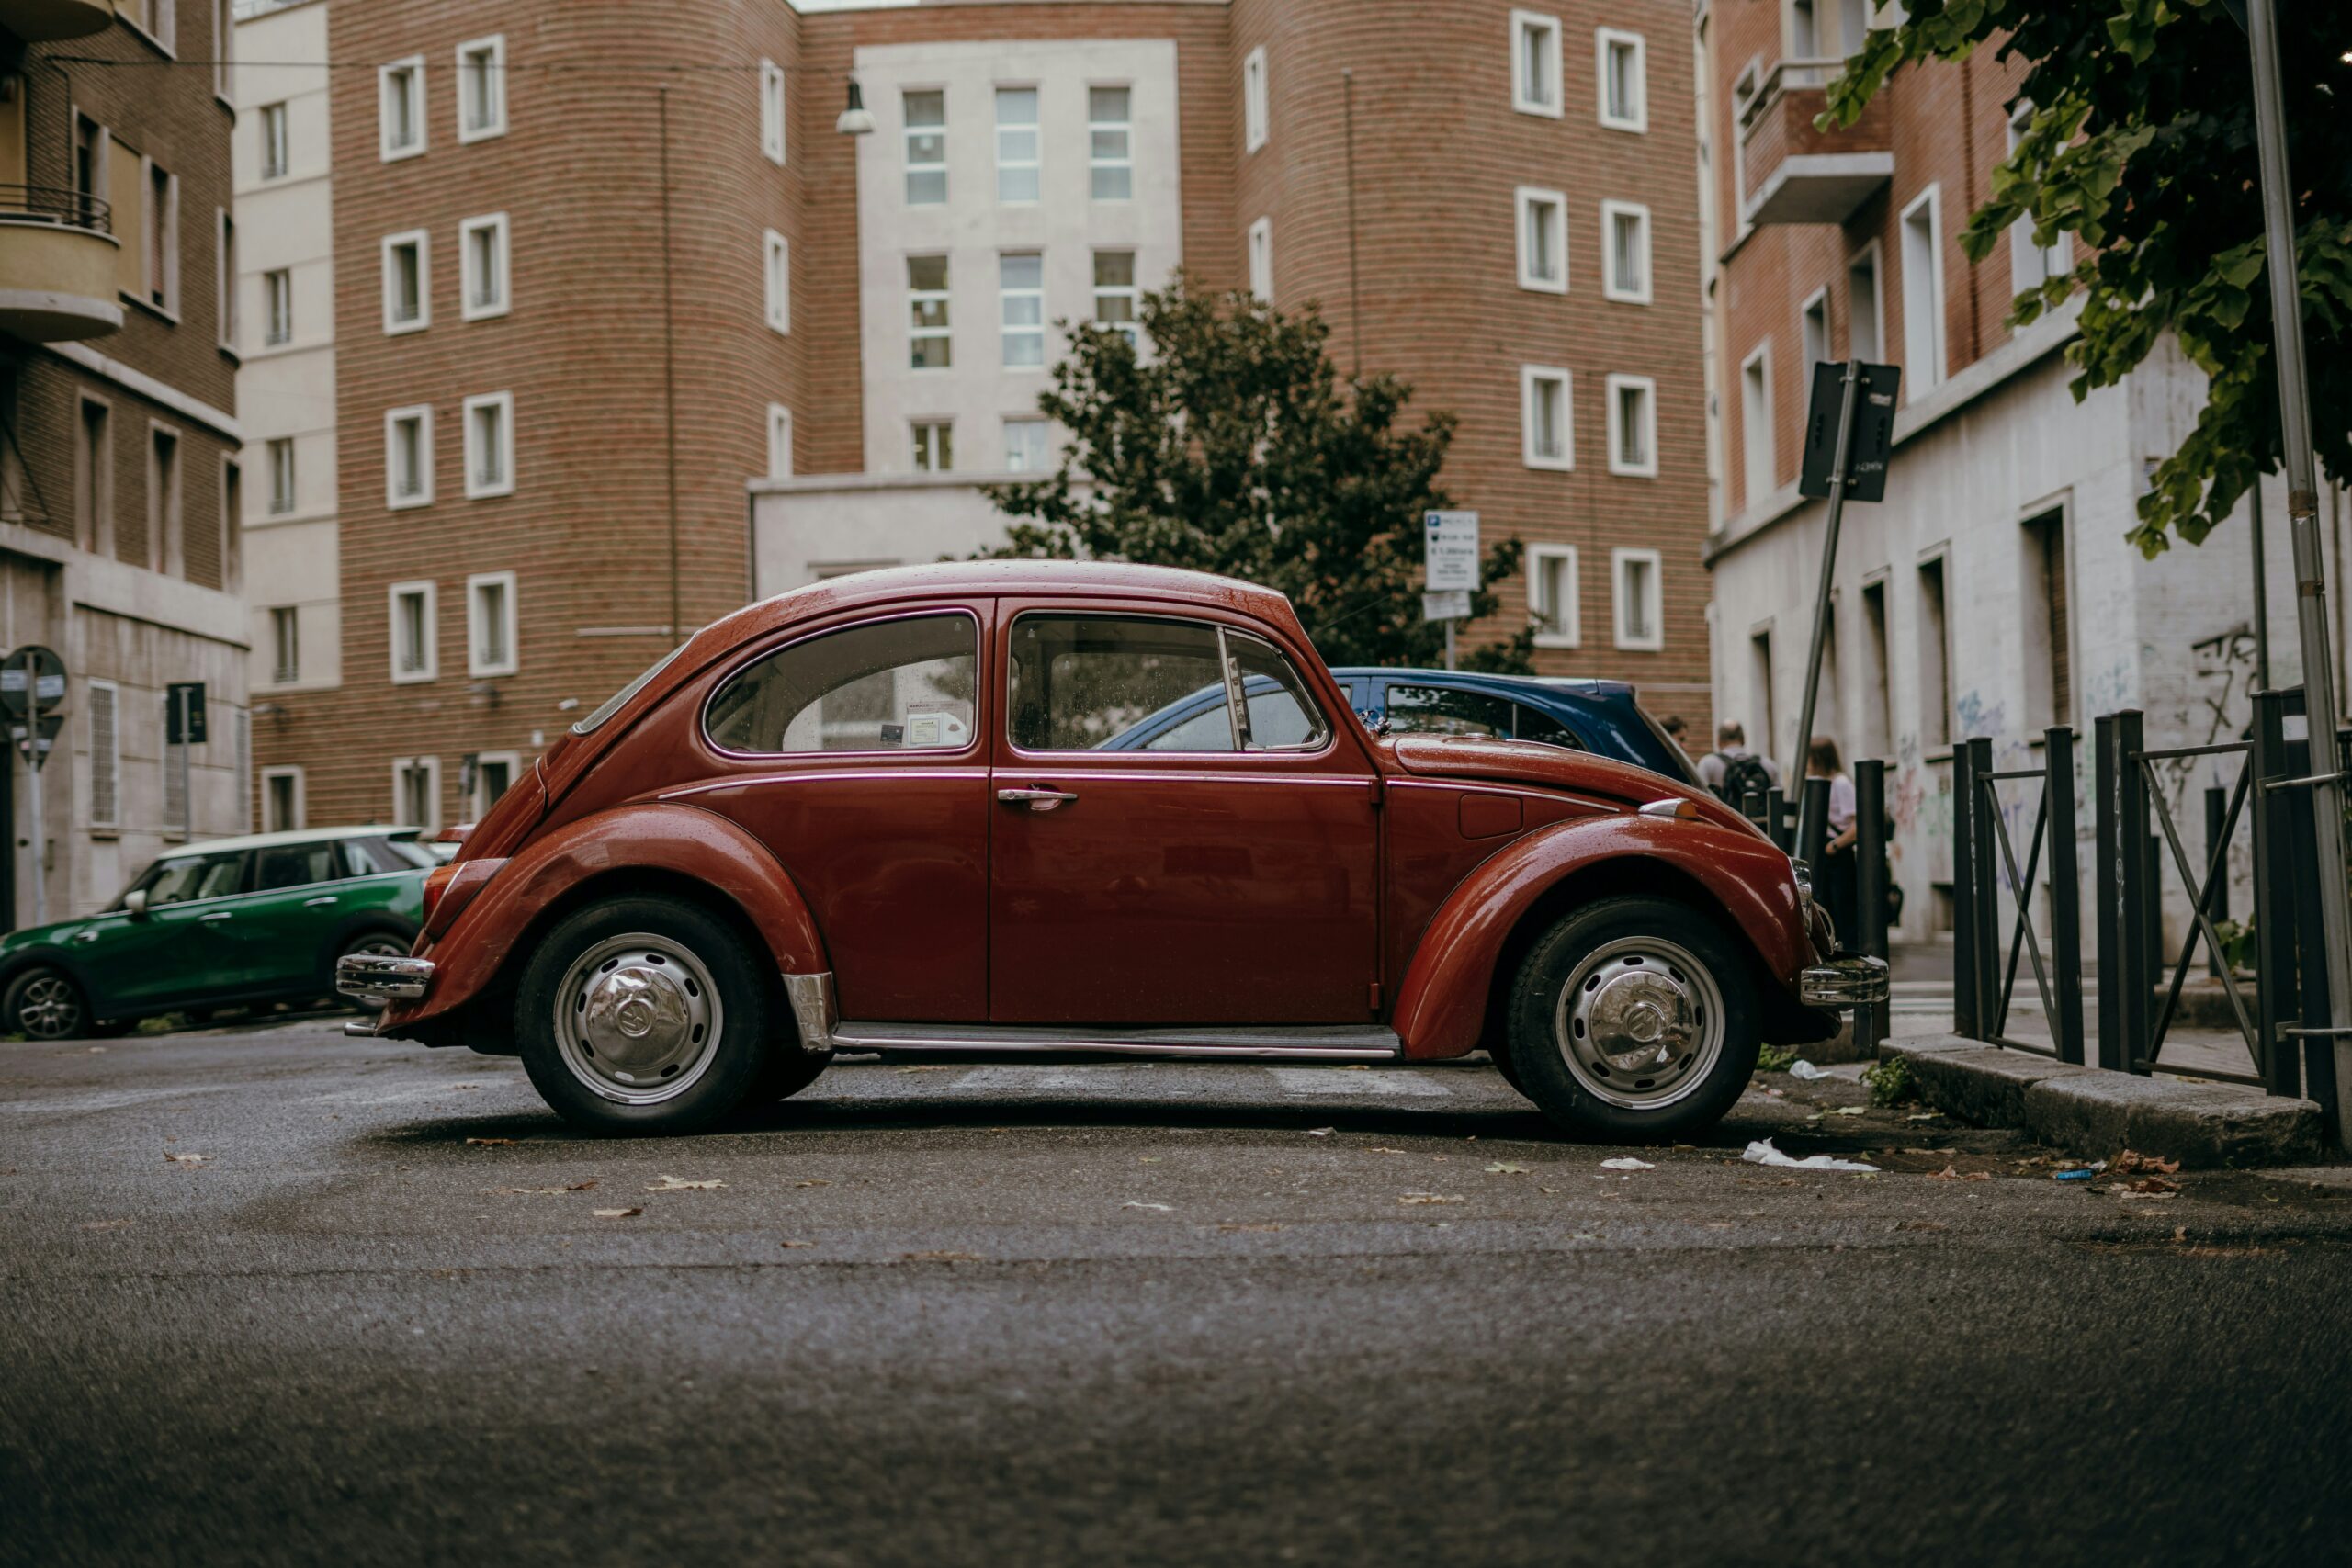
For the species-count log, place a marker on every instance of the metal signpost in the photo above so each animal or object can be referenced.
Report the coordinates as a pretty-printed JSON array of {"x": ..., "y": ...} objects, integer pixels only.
[
  {"x": 32, "y": 696},
  {"x": 184, "y": 728},
  {"x": 1848, "y": 436},
  {"x": 1450, "y": 570}
]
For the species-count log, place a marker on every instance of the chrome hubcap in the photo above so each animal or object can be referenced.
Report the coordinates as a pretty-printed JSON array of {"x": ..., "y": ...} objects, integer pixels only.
[
  {"x": 637, "y": 1017},
  {"x": 49, "y": 1009},
  {"x": 1640, "y": 1022}
]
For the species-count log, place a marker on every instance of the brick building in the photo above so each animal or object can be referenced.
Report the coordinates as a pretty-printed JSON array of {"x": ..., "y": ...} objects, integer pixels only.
[
  {"x": 555, "y": 369},
  {"x": 119, "y": 477}
]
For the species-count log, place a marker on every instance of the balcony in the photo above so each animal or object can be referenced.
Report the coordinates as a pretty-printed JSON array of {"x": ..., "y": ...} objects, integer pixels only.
[
  {"x": 1791, "y": 172},
  {"x": 46, "y": 21},
  {"x": 57, "y": 264}
]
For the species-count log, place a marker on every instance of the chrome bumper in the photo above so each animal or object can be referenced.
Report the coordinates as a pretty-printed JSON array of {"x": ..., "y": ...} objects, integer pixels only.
[
  {"x": 376, "y": 978},
  {"x": 1849, "y": 982}
]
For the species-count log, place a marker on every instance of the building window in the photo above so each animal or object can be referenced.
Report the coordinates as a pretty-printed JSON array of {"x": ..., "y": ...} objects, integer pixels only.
[
  {"x": 1110, "y": 145},
  {"x": 771, "y": 111},
  {"x": 400, "y": 93},
  {"x": 1877, "y": 712},
  {"x": 1757, "y": 463},
  {"x": 1624, "y": 79},
  {"x": 1116, "y": 298},
  {"x": 482, "y": 266},
  {"x": 1542, "y": 240},
  {"x": 1262, "y": 259},
  {"x": 926, "y": 117},
  {"x": 413, "y": 627},
  {"x": 1545, "y": 438},
  {"x": 105, "y": 755},
  {"x": 489, "y": 445},
  {"x": 164, "y": 500},
  {"x": 408, "y": 296},
  {"x": 930, "y": 347},
  {"x": 278, "y": 307},
  {"x": 779, "y": 442},
  {"x": 286, "y": 645},
  {"x": 275, "y": 149},
  {"x": 1759, "y": 686},
  {"x": 225, "y": 276},
  {"x": 233, "y": 524},
  {"x": 94, "y": 477},
  {"x": 776, "y": 273},
  {"x": 159, "y": 19},
  {"x": 1552, "y": 595},
  {"x": 481, "y": 88},
  {"x": 1633, "y": 426},
  {"x": 1743, "y": 92},
  {"x": 281, "y": 475},
  {"x": 1253, "y": 100},
  {"x": 1813, "y": 332},
  {"x": 489, "y": 624},
  {"x": 935, "y": 443},
  {"x": 163, "y": 226},
  {"x": 1020, "y": 286},
  {"x": 1640, "y": 615},
  {"x": 408, "y": 456},
  {"x": 1923, "y": 296},
  {"x": 416, "y": 792},
  {"x": 2032, "y": 266},
  {"x": 1535, "y": 63},
  {"x": 1025, "y": 445},
  {"x": 1935, "y": 659},
  {"x": 1017, "y": 144},
  {"x": 493, "y": 774},
  {"x": 1626, "y": 262},
  {"x": 1865, "y": 307},
  {"x": 281, "y": 800},
  {"x": 2047, "y": 644}
]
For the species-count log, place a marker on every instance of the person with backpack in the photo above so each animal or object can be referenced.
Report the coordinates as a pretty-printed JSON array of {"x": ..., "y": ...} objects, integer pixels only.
[{"x": 1733, "y": 772}]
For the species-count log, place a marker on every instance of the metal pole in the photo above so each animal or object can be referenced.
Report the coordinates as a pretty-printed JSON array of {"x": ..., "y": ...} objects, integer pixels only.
[
  {"x": 1449, "y": 645},
  {"x": 669, "y": 364},
  {"x": 1829, "y": 561},
  {"x": 2065, "y": 893},
  {"x": 2261, "y": 597},
  {"x": 1964, "y": 851},
  {"x": 40, "y": 826},
  {"x": 1870, "y": 885},
  {"x": 2302, "y": 523}
]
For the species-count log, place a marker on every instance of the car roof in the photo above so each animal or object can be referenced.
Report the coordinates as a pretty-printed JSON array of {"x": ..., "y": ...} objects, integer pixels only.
[
  {"x": 1536, "y": 687},
  {"x": 1009, "y": 577},
  {"x": 296, "y": 836}
]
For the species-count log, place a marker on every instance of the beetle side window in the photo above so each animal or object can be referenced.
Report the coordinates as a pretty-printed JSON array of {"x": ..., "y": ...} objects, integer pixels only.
[
  {"x": 1089, "y": 682},
  {"x": 903, "y": 685},
  {"x": 1436, "y": 710},
  {"x": 1281, "y": 715}
]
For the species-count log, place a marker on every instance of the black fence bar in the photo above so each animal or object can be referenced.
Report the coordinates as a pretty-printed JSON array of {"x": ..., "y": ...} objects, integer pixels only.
[
  {"x": 1870, "y": 888},
  {"x": 2107, "y": 890},
  {"x": 2065, "y": 893},
  {"x": 1813, "y": 825},
  {"x": 2274, "y": 945},
  {"x": 1985, "y": 872},
  {"x": 2139, "y": 919},
  {"x": 1965, "y": 1021},
  {"x": 2217, "y": 802}
]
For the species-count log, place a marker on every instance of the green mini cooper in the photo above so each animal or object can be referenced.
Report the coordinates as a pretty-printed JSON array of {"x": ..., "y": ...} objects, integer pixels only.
[{"x": 221, "y": 924}]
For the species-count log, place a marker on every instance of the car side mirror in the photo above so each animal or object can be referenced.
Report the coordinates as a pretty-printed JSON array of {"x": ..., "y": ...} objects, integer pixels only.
[{"x": 134, "y": 903}]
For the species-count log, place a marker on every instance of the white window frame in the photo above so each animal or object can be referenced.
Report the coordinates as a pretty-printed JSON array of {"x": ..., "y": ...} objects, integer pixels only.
[
  {"x": 1924, "y": 366},
  {"x": 1262, "y": 259},
  {"x": 278, "y": 307},
  {"x": 1612, "y": 286},
  {"x": 300, "y": 792},
  {"x": 1873, "y": 255},
  {"x": 935, "y": 445},
  {"x": 431, "y": 767},
  {"x": 423, "y": 241},
  {"x": 1095, "y": 162},
  {"x": 224, "y": 258},
  {"x": 1007, "y": 329},
  {"x": 277, "y": 139},
  {"x": 478, "y": 667},
  {"x": 2030, "y": 265},
  {"x": 1034, "y": 129},
  {"x": 162, "y": 293},
  {"x": 772, "y": 122},
  {"x": 282, "y": 670},
  {"x": 1524, "y": 200},
  {"x": 1818, "y": 300},
  {"x": 1566, "y": 620},
  {"x": 775, "y": 281},
  {"x": 779, "y": 442},
  {"x": 475, "y": 804},
  {"x": 1618, "y": 558},
  {"x": 423, "y": 414},
  {"x": 477, "y": 487},
  {"x": 414, "y": 66},
  {"x": 1751, "y": 491},
  {"x": 1132, "y": 292},
  {"x": 110, "y": 752},
  {"x": 945, "y": 332},
  {"x": 469, "y": 272},
  {"x": 909, "y": 168},
  {"x": 429, "y": 657},
  {"x": 1044, "y": 447},
  {"x": 1522, "y": 23},
  {"x": 1529, "y": 377},
  {"x": 1647, "y": 386},
  {"x": 1604, "y": 41},
  {"x": 158, "y": 21},
  {"x": 276, "y": 448},
  {"x": 494, "y": 45},
  {"x": 1254, "y": 127}
]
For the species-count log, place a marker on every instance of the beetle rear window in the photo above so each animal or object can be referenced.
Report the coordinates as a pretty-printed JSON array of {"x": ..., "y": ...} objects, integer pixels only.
[{"x": 887, "y": 686}]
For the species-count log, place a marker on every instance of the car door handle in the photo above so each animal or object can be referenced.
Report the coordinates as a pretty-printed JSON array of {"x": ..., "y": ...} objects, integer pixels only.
[
  {"x": 321, "y": 899},
  {"x": 1037, "y": 797},
  {"x": 86, "y": 936},
  {"x": 215, "y": 915}
]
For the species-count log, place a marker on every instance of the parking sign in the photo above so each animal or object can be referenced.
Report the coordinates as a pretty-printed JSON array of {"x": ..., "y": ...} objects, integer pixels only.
[{"x": 1449, "y": 556}]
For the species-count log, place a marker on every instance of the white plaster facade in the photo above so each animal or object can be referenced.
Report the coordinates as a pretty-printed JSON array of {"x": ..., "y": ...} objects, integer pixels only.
[{"x": 829, "y": 524}]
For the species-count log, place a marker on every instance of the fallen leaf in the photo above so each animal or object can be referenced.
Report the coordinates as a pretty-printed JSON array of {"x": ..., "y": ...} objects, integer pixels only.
[
  {"x": 1849, "y": 1110},
  {"x": 491, "y": 1142},
  {"x": 187, "y": 1159},
  {"x": 943, "y": 1258},
  {"x": 1626, "y": 1162},
  {"x": 680, "y": 1184},
  {"x": 1976, "y": 1175},
  {"x": 1932, "y": 1153},
  {"x": 1155, "y": 1208},
  {"x": 1381, "y": 1151},
  {"x": 1249, "y": 1227},
  {"x": 2131, "y": 1160},
  {"x": 548, "y": 1192},
  {"x": 105, "y": 1225},
  {"x": 1923, "y": 1116},
  {"x": 813, "y": 1182},
  {"x": 617, "y": 1213},
  {"x": 1426, "y": 1198},
  {"x": 1321, "y": 1132},
  {"x": 795, "y": 1243},
  {"x": 1502, "y": 1167},
  {"x": 469, "y": 1088},
  {"x": 2154, "y": 1184},
  {"x": 2180, "y": 1233}
]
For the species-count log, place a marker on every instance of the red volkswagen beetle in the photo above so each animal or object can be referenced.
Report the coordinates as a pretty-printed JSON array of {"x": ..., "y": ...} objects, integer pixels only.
[{"x": 891, "y": 812}]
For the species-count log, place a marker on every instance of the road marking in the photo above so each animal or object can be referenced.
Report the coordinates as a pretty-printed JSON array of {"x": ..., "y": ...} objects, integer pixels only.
[{"x": 1340, "y": 1081}]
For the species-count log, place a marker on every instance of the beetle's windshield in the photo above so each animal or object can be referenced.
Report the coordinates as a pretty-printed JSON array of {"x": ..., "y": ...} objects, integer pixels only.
[{"x": 619, "y": 699}]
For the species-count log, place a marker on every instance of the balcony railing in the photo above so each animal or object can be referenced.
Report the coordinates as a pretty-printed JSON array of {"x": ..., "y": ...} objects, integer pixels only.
[
  {"x": 54, "y": 204},
  {"x": 1794, "y": 172}
]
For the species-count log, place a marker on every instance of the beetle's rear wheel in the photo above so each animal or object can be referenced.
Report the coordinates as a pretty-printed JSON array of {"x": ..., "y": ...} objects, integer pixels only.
[
  {"x": 1634, "y": 1018},
  {"x": 643, "y": 1015}
]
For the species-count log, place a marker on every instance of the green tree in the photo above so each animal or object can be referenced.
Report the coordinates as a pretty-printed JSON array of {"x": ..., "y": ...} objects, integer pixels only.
[
  {"x": 2142, "y": 145},
  {"x": 1233, "y": 448}
]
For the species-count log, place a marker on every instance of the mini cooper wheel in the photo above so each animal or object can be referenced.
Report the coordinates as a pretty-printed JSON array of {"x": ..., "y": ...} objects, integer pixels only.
[
  {"x": 643, "y": 1015},
  {"x": 43, "y": 1003},
  {"x": 1634, "y": 1018}
]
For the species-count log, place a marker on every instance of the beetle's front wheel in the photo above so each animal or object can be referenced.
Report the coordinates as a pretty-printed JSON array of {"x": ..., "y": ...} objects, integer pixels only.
[
  {"x": 1634, "y": 1018},
  {"x": 643, "y": 1015}
]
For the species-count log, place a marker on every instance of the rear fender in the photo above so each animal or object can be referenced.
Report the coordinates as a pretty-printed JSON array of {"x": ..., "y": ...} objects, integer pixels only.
[
  {"x": 1442, "y": 1008},
  {"x": 665, "y": 844}
]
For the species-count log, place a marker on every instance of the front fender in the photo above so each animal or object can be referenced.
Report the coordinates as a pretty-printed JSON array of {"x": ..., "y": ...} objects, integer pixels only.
[
  {"x": 1441, "y": 1006},
  {"x": 664, "y": 840}
]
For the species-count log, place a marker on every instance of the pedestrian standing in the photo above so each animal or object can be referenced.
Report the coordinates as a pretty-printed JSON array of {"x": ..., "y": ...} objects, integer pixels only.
[{"x": 1733, "y": 772}]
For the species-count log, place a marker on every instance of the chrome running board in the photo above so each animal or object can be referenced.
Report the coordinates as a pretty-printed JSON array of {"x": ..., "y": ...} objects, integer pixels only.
[{"x": 1314, "y": 1042}]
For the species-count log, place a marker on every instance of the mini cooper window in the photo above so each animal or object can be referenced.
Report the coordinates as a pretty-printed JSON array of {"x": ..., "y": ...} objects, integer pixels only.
[
  {"x": 184, "y": 879},
  {"x": 889, "y": 686},
  {"x": 1100, "y": 683},
  {"x": 1435, "y": 710}
]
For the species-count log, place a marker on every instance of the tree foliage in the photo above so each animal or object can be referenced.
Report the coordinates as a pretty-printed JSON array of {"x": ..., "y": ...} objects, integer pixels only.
[
  {"x": 2142, "y": 145},
  {"x": 1233, "y": 448}
]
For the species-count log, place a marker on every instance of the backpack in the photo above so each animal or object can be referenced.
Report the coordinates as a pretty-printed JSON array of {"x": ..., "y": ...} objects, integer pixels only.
[{"x": 1743, "y": 775}]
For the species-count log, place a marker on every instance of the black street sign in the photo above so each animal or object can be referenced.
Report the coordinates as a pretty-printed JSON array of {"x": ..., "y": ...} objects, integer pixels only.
[
  {"x": 32, "y": 680},
  {"x": 1873, "y": 438},
  {"x": 34, "y": 741},
  {"x": 185, "y": 713}
]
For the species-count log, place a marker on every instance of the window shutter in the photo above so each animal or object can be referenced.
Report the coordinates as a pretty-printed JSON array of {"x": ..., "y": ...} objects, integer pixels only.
[{"x": 105, "y": 759}]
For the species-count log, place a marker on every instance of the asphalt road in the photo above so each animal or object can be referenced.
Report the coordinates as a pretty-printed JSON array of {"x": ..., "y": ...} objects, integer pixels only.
[{"x": 1120, "y": 1313}]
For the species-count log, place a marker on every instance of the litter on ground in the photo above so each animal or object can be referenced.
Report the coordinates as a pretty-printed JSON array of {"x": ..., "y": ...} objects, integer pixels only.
[{"x": 1761, "y": 1152}]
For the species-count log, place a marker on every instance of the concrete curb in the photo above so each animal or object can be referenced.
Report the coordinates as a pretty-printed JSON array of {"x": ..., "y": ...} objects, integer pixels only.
[{"x": 2092, "y": 1114}]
